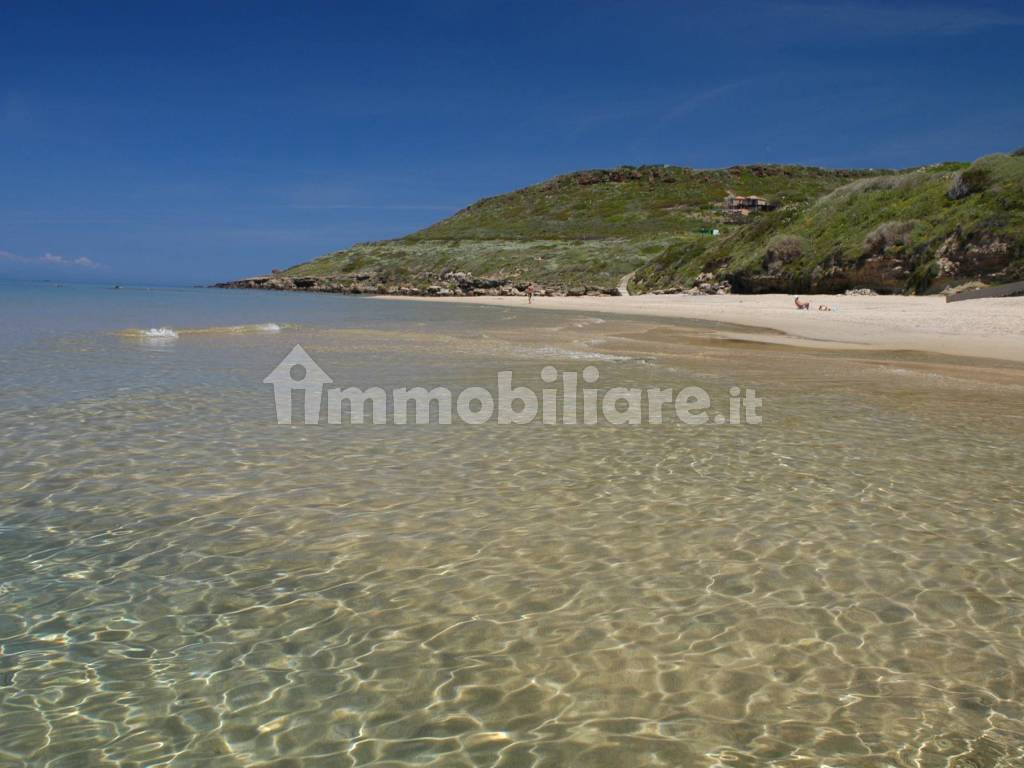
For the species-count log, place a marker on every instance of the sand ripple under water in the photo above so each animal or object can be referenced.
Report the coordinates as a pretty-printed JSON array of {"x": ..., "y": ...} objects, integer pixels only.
[{"x": 183, "y": 582}]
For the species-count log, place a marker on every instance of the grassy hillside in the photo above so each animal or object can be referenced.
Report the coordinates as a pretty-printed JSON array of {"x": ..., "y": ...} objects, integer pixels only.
[
  {"x": 583, "y": 229},
  {"x": 912, "y": 232},
  {"x": 830, "y": 230},
  {"x": 630, "y": 202}
]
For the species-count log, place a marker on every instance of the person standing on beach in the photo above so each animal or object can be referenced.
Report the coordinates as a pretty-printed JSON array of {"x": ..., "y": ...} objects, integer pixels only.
[{"x": 529, "y": 293}]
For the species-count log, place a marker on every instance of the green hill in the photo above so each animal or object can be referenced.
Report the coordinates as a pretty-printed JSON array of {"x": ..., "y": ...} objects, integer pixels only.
[
  {"x": 913, "y": 232},
  {"x": 579, "y": 231},
  {"x": 649, "y": 201},
  {"x": 825, "y": 229}
]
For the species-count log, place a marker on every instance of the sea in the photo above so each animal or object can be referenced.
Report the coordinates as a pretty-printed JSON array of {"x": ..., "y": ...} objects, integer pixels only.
[{"x": 185, "y": 581}]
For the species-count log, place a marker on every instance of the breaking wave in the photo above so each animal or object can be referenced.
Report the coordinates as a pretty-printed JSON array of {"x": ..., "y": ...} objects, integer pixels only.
[
  {"x": 160, "y": 333},
  {"x": 172, "y": 333}
]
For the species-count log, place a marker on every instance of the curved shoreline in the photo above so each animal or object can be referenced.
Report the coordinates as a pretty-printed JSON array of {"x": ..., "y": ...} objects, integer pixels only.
[{"x": 984, "y": 328}]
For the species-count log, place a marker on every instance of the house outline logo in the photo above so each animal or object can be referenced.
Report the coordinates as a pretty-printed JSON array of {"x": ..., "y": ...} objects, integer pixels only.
[{"x": 312, "y": 384}]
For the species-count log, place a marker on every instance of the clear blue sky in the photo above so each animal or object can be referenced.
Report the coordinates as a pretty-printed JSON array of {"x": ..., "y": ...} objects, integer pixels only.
[{"x": 192, "y": 142}]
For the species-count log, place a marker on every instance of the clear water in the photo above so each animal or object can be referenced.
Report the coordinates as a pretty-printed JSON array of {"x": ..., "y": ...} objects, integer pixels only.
[{"x": 184, "y": 582}]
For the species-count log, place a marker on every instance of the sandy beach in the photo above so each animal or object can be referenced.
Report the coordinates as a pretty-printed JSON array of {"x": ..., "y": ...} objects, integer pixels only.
[{"x": 985, "y": 328}]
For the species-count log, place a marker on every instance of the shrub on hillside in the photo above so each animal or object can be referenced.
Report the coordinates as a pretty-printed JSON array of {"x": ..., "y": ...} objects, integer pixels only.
[
  {"x": 887, "y": 234},
  {"x": 922, "y": 277},
  {"x": 1018, "y": 152},
  {"x": 785, "y": 249},
  {"x": 873, "y": 184},
  {"x": 968, "y": 181}
]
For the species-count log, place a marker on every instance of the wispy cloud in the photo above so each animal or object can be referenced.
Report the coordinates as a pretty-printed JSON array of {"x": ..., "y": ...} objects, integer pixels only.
[
  {"x": 676, "y": 111},
  {"x": 903, "y": 19},
  {"x": 653, "y": 111},
  {"x": 699, "y": 100},
  {"x": 81, "y": 261},
  {"x": 50, "y": 260}
]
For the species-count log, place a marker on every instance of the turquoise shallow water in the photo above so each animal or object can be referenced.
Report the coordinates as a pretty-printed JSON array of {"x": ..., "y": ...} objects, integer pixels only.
[{"x": 184, "y": 582}]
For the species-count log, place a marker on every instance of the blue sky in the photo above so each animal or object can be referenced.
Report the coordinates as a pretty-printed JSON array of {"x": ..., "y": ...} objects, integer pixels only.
[{"x": 192, "y": 142}]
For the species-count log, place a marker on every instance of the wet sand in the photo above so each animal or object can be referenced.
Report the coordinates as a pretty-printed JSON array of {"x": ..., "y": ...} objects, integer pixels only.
[{"x": 986, "y": 328}]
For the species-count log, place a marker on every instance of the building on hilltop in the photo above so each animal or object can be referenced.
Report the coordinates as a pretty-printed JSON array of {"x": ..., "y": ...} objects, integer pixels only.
[{"x": 745, "y": 204}]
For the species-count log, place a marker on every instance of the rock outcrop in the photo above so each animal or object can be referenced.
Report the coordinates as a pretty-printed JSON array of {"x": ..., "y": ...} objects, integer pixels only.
[
  {"x": 960, "y": 257},
  {"x": 448, "y": 283}
]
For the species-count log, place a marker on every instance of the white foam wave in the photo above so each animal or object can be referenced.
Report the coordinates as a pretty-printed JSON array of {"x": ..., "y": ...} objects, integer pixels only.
[
  {"x": 574, "y": 354},
  {"x": 160, "y": 333},
  {"x": 171, "y": 333}
]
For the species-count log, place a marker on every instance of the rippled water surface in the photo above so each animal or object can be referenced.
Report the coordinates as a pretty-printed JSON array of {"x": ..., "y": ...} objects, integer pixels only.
[{"x": 184, "y": 582}]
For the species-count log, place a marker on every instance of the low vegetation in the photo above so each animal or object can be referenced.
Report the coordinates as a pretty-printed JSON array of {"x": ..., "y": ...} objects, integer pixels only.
[
  {"x": 577, "y": 231},
  {"x": 913, "y": 231}
]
